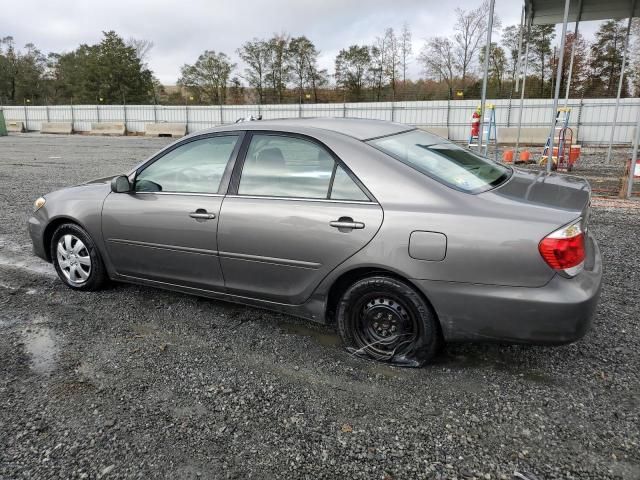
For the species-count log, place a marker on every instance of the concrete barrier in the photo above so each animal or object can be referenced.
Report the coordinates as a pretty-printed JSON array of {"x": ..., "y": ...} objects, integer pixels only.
[
  {"x": 108, "y": 128},
  {"x": 528, "y": 135},
  {"x": 64, "y": 128},
  {"x": 165, "y": 129},
  {"x": 440, "y": 131},
  {"x": 15, "y": 126}
]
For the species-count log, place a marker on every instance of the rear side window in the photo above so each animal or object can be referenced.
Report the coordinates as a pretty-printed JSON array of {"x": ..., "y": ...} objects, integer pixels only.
[
  {"x": 282, "y": 166},
  {"x": 344, "y": 188},
  {"x": 445, "y": 162}
]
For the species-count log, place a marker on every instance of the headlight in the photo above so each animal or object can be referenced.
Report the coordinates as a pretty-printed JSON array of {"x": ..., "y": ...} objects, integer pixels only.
[{"x": 38, "y": 204}]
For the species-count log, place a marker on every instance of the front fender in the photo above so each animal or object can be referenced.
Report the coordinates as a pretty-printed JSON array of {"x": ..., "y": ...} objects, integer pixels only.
[{"x": 81, "y": 205}]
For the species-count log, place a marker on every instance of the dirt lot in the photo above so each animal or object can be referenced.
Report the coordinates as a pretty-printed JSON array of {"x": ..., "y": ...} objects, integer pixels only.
[{"x": 133, "y": 382}]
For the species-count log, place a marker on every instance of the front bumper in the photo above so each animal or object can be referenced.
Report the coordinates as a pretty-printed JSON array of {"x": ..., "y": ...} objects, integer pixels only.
[
  {"x": 36, "y": 232},
  {"x": 559, "y": 312}
]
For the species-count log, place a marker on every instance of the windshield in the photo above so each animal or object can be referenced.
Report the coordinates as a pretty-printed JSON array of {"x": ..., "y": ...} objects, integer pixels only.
[{"x": 443, "y": 161}]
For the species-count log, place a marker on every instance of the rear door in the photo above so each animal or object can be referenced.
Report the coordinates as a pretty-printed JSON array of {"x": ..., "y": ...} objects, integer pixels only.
[
  {"x": 293, "y": 213},
  {"x": 165, "y": 230}
]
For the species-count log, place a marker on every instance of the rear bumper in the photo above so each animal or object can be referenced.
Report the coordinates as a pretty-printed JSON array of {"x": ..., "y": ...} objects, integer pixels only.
[{"x": 559, "y": 312}]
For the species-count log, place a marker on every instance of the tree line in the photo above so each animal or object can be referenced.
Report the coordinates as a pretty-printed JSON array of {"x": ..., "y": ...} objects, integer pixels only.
[{"x": 286, "y": 69}]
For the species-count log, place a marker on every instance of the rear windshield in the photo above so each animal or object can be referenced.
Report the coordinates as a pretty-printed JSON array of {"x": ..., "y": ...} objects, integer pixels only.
[{"x": 443, "y": 161}]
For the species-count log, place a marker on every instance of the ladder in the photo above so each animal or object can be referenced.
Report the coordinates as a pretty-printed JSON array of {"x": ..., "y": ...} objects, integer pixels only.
[
  {"x": 488, "y": 131},
  {"x": 560, "y": 130}
]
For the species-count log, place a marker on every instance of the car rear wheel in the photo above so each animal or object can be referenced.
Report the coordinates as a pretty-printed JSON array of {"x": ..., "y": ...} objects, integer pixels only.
[
  {"x": 385, "y": 319},
  {"x": 77, "y": 261}
]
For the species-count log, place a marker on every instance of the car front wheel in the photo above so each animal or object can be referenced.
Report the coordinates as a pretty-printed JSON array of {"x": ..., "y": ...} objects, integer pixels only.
[
  {"x": 385, "y": 319},
  {"x": 77, "y": 261}
]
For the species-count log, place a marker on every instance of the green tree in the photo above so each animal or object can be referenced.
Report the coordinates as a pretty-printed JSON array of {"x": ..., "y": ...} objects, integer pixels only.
[
  {"x": 510, "y": 40},
  {"x": 110, "y": 70},
  {"x": 352, "y": 69},
  {"x": 22, "y": 73},
  {"x": 606, "y": 59},
  {"x": 208, "y": 78},
  {"x": 497, "y": 65},
  {"x": 540, "y": 37}
]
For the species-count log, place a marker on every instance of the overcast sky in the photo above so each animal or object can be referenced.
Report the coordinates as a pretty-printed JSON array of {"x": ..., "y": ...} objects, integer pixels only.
[{"x": 181, "y": 30}]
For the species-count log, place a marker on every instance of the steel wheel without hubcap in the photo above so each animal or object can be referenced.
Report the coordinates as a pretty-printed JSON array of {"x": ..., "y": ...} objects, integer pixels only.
[
  {"x": 384, "y": 326},
  {"x": 74, "y": 259}
]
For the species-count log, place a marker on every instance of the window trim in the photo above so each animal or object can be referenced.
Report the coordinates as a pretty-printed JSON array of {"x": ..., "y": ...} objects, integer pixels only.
[
  {"x": 234, "y": 184},
  {"x": 226, "y": 175}
]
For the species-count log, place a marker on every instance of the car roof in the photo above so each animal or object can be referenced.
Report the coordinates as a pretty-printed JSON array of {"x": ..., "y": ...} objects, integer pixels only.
[{"x": 358, "y": 128}]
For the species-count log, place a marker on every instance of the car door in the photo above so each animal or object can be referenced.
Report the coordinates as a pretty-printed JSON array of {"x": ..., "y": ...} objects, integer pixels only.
[
  {"x": 293, "y": 213},
  {"x": 165, "y": 229}
]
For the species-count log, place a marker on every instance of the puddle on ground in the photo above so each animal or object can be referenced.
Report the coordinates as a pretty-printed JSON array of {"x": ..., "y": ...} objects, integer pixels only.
[
  {"x": 29, "y": 264},
  {"x": 497, "y": 362},
  {"x": 40, "y": 343},
  {"x": 324, "y": 338}
]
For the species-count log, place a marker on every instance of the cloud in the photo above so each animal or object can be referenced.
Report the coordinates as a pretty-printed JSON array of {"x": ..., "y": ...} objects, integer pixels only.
[{"x": 181, "y": 31}]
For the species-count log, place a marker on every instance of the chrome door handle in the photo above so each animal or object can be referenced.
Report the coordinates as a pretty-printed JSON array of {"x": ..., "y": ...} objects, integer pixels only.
[
  {"x": 202, "y": 214},
  {"x": 346, "y": 223}
]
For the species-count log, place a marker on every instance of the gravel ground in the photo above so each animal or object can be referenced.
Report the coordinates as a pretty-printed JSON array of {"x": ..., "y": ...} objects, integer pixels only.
[{"x": 134, "y": 382}]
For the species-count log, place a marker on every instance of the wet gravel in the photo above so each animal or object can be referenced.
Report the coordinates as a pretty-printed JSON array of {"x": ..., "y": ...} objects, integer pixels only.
[{"x": 133, "y": 382}]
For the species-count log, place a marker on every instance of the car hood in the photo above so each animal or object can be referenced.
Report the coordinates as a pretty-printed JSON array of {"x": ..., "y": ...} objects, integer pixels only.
[
  {"x": 551, "y": 190},
  {"x": 100, "y": 180}
]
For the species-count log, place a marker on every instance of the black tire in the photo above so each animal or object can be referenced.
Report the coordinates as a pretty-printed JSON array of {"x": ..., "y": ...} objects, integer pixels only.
[
  {"x": 95, "y": 272},
  {"x": 387, "y": 320}
]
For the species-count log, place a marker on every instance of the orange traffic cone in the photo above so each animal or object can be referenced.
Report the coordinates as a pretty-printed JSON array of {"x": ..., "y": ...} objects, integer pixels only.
[
  {"x": 525, "y": 156},
  {"x": 507, "y": 156}
]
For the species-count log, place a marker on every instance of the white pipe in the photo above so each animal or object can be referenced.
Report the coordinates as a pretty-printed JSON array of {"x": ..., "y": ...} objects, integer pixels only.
[
  {"x": 557, "y": 92},
  {"x": 487, "y": 53},
  {"x": 573, "y": 53},
  {"x": 621, "y": 82}
]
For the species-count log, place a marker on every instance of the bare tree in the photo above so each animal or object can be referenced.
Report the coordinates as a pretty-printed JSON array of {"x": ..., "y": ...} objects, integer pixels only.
[
  {"x": 279, "y": 69},
  {"x": 391, "y": 58},
  {"x": 438, "y": 60},
  {"x": 255, "y": 54},
  {"x": 406, "y": 49},
  {"x": 470, "y": 32},
  {"x": 303, "y": 60},
  {"x": 142, "y": 48}
]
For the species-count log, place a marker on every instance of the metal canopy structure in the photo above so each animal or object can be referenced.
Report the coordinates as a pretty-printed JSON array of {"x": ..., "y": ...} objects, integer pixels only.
[{"x": 552, "y": 12}]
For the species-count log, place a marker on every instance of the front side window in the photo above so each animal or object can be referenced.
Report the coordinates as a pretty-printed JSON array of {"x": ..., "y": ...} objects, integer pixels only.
[
  {"x": 445, "y": 162},
  {"x": 194, "y": 167},
  {"x": 281, "y": 166}
]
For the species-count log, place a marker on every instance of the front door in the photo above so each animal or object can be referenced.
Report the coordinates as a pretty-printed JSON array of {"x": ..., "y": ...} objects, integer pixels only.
[
  {"x": 297, "y": 214},
  {"x": 165, "y": 230}
]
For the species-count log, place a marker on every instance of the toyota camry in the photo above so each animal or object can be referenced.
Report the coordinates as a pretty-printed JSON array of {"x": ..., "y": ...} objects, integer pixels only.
[{"x": 400, "y": 238}]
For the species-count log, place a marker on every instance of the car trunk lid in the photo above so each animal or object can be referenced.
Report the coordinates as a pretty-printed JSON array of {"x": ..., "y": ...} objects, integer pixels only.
[{"x": 550, "y": 190}]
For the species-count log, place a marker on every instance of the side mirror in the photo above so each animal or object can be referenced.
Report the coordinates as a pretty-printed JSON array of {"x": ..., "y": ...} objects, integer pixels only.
[{"x": 121, "y": 184}]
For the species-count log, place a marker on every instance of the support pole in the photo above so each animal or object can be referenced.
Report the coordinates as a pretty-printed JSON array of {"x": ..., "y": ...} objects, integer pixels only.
[
  {"x": 487, "y": 53},
  {"x": 573, "y": 54},
  {"x": 621, "y": 82},
  {"x": 634, "y": 157},
  {"x": 517, "y": 67},
  {"x": 557, "y": 90},
  {"x": 524, "y": 81}
]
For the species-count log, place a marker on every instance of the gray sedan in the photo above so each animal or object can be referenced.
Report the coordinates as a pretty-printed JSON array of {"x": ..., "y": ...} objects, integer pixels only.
[{"x": 399, "y": 237}]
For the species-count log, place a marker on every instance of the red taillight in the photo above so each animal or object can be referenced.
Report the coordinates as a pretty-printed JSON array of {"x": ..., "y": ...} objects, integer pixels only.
[{"x": 564, "y": 249}]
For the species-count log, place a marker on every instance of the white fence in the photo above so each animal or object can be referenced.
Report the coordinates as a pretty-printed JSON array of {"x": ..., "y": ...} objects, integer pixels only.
[{"x": 591, "y": 119}]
